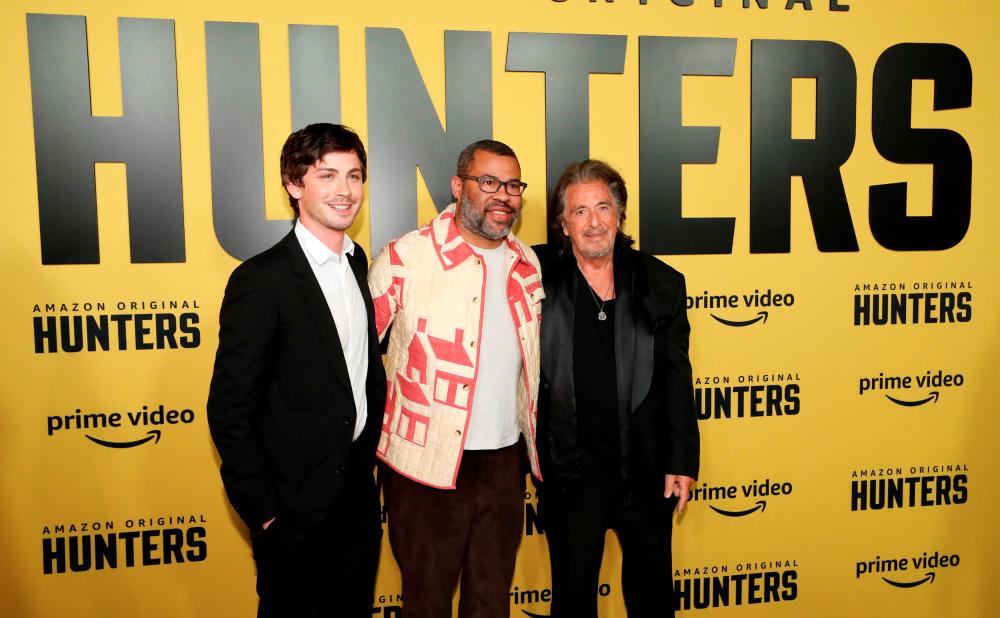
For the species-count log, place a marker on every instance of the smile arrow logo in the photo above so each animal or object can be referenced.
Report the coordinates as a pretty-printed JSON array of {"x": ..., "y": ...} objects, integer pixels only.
[
  {"x": 153, "y": 434},
  {"x": 929, "y": 578},
  {"x": 761, "y": 504},
  {"x": 910, "y": 404},
  {"x": 761, "y": 315}
]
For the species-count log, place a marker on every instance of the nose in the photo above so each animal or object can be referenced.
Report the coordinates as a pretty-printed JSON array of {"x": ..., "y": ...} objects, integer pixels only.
[
  {"x": 594, "y": 219},
  {"x": 340, "y": 185}
]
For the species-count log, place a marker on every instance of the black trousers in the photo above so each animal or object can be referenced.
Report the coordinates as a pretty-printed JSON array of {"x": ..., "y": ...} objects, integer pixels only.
[
  {"x": 465, "y": 537},
  {"x": 575, "y": 526},
  {"x": 328, "y": 570}
]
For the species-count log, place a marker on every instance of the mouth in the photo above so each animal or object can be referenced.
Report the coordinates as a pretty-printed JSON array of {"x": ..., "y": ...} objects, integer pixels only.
[
  {"x": 500, "y": 212},
  {"x": 340, "y": 207}
]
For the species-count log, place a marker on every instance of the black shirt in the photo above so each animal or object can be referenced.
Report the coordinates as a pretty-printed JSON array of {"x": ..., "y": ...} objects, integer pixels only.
[{"x": 596, "y": 385}]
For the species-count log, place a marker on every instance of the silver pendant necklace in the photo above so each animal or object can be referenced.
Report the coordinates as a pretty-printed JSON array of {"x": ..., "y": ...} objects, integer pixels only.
[{"x": 600, "y": 304}]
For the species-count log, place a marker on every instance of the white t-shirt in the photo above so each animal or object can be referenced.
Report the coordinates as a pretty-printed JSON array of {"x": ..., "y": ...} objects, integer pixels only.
[{"x": 493, "y": 422}]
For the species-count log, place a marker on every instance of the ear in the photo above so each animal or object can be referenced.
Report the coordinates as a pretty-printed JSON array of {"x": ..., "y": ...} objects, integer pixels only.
[
  {"x": 294, "y": 190},
  {"x": 456, "y": 187}
]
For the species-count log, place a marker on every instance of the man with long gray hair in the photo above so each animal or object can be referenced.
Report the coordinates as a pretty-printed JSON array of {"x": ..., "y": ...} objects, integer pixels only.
[{"x": 617, "y": 431}]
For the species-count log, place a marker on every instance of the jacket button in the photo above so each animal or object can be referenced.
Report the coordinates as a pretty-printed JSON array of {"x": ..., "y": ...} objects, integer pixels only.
[
  {"x": 340, "y": 469},
  {"x": 465, "y": 387},
  {"x": 458, "y": 432},
  {"x": 472, "y": 344},
  {"x": 349, "y": 421},
  {"x": 475, "y": 299}
]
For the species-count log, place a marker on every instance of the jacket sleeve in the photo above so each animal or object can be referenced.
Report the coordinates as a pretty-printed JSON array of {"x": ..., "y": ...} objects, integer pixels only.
[
  {"x": 385, "y": 281},
  {"x": 248, "y": 323},
  {"x": 682, "y": 421}
]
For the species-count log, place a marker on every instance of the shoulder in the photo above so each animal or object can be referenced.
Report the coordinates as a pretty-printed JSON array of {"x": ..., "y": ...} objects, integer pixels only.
[
  {"x": 270, "y": 262},
  {"x": 548, "y": 258},
  {"x": 657, "y": 271},
  {"x": 545, "y": 252},
  {"x": 404, "y": 245},
  {"x": 525, "y": 250},
  {"x": 660, "y": 285}
]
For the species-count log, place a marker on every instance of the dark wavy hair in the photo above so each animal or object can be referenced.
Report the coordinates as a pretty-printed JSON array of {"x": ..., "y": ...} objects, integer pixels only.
[
  {"x": 311, "y": 143},
  {"x": 591, "y": 170}
]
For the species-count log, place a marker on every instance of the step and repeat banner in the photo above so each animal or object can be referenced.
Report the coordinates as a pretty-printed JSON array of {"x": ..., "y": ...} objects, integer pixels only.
[{"x": 824, "y": 173}]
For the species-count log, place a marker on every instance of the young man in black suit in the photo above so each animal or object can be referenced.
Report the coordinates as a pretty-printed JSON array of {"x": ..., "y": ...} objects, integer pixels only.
[{"x": 296, "y": 400}]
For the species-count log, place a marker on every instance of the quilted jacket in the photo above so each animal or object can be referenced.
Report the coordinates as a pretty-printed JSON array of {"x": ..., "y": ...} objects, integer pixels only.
[{"x": 429, "y": 286}]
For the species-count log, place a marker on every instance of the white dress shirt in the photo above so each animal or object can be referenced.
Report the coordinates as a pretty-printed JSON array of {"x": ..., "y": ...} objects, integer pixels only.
[{"x": 347, "y": 306}]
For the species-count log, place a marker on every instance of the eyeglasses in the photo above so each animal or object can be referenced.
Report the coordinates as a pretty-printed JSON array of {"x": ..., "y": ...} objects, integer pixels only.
[{"x": 490, "y": 184}]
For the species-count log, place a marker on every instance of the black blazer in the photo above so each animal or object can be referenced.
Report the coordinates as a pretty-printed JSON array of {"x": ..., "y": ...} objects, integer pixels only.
[
  {"x": 280, "y": 407},
  {"x": 657, "y": 420}
]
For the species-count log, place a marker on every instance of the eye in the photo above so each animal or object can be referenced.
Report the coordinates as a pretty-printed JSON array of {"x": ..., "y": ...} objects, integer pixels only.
[{"x": 489, "y": 183}]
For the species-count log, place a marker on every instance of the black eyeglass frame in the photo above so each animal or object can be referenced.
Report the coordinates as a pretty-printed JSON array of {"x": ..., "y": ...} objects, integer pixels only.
[{"x": 506, "y": 184}]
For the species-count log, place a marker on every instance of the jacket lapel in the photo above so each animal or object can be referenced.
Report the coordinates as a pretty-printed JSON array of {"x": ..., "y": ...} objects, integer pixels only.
[
  {"x": 325, "y": 326},
  {"x": 639, "y": 363},
  {"x": 558, "y": 315},
  {"x": 359, "y": 266},
  {"x": 625, "y": 332}
]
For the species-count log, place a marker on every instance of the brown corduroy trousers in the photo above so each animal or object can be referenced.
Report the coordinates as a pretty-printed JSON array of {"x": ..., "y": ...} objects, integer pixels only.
[{"x": 470, "y": 534}]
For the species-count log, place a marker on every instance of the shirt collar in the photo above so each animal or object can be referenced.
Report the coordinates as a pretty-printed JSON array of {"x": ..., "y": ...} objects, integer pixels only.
[
  {"x": 314, "y": 247},
  {"x": 451, "y": 248}
]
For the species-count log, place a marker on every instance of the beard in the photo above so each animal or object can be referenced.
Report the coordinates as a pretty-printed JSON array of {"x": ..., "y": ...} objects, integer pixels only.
[
  {"x": 598, "y": 251},
  {"x": 474, "y": 220}
]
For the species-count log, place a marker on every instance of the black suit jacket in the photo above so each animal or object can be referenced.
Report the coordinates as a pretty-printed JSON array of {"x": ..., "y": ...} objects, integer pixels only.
[
  {"x": 280, "y": 408},
  {"x": 657, "y": 420}
]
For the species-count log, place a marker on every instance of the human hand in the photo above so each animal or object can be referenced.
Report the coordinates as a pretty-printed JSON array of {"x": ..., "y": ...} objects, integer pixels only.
[{"x": 680, "y": 486}]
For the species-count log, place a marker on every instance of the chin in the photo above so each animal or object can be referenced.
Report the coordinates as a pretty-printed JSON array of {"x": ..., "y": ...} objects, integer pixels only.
[
  {"x": 340, "y": 224},
  {"x": 596, "y": 252}
]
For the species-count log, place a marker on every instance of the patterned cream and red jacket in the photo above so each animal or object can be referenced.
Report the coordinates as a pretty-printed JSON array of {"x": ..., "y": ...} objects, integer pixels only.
[{"x": 429, "y": 286}]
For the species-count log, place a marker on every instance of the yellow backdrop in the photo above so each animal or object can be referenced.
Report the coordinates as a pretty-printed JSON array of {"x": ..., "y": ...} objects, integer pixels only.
[{"x": 848, "y": 468}]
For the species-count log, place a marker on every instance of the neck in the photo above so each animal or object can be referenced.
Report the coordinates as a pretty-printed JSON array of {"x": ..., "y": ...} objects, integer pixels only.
[
  {"x": 333, "y": 239},
  {"x": 599, "y": 273}
]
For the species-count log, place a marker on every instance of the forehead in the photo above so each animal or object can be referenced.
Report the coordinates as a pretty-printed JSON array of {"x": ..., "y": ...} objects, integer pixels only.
[
  {"x": 588, "y": 193},
  {"x": 342, "y": 160},
  {"x": 487, "y": 163}
]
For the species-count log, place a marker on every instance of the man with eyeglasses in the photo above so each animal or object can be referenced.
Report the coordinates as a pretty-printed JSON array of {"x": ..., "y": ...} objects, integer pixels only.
[{"x": 463, "y": 297}]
